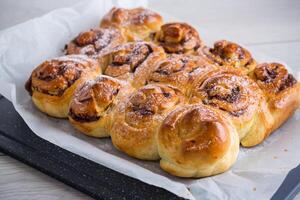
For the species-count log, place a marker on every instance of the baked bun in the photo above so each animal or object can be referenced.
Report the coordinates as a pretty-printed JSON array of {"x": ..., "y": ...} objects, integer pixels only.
[
  {"x": 227, "y": 53},
  {"x": 131, "y": 61},
  {"x": 95, "y": 41},
  {"x": 53, "y": 83},
  {"x": 178, "y": 38},
  {"x": 136, "y": 24},
  {"x": 281, "y": 90},
  {"x": 179, "y": 70},
  {"x": 138, "y": 119},
  {"x": 197, "y": 141},
  {"x": 91, "y": 109},
  {"x": 237, "y": 96}
]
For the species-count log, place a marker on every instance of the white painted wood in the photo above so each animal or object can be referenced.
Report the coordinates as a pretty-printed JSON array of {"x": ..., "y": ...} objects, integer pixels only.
[{"x": 18, "y": 181}]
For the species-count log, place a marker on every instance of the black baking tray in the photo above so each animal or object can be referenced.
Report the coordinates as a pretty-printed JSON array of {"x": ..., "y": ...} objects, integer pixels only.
[{"x": 97, "y": 181}]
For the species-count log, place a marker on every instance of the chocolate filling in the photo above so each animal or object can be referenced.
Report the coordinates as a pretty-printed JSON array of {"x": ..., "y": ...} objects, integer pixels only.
[
  {"x": 230, "y": 98},
  {"x": 83, "y": 118},
  {"x": 142, "y": 110},
  {"x": 288, "y": 82}
]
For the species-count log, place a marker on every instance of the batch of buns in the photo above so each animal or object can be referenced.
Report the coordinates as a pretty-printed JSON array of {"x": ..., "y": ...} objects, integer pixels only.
[{"x": 161, "y": 93}]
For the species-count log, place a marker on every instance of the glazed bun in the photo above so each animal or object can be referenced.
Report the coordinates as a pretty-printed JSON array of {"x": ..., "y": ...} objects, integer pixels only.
[
  {"x": 92, "y": 107},
  {"x": 238, "y": 97},
  {"x": 179, "y": 71},
  {"x": 53, "y": 83},
  {"x": 230, "y": 54},
  {"x": 197, "y": 141},
  {"x": 131, "y": 61},
  {"x": 95, "y": 41},
  {"x": 136, "y": 24},
  {"x": 138, "y": 119},
  {"x": 281, "y": 90},
  {"x": 179, "y": 38}
]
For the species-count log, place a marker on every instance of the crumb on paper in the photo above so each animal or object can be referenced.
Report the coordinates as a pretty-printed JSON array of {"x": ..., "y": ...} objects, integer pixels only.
[
  {"x": 285, "y": 150},
  {"x": 254, "y": 189},
  {"x": 275, "y": 157}
]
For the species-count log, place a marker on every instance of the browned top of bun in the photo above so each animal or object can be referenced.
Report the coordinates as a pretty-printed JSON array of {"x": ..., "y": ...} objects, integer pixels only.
[
  {"x": 273, "y": 77},
  {"x": 227, "y": 53},
  {"x": 94, "y": 41},
  {"x": 54, "y": 76},
  {"x": 179, "y": 70},
  {"x": 94, "y": 97},
  {"x": 229, "y": 90},
  {"x": 195, "y": 130},
  {"x": 149, "y": 102},
  {"x": 178, "y": 38}
]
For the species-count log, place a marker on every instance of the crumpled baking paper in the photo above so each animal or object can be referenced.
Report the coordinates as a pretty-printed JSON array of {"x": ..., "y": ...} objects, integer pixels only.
[{"x": 257, "y": 174}]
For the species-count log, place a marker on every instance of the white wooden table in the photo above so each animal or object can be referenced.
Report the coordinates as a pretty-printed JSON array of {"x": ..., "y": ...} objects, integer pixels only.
[{"x": 272, "y": 27}]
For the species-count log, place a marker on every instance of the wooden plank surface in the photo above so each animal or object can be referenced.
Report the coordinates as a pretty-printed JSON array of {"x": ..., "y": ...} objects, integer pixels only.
[
  {"x": 19, "y": 181},
  {"x": 272, "y": 27}
]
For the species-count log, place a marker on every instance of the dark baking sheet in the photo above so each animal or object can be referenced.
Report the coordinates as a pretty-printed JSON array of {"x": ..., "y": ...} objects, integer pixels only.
[{"x": 97, "y": 181}]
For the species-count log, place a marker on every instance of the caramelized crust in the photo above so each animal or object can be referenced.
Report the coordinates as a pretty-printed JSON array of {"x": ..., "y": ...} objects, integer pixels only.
[
  {"x": 233, "y": 93},
  {"x": 91, "y": 109},
  {"x": 131, "y": 61},
  {"x": 95, "y": 41},
  {"x": 197, "y": 141},
  {"x": 136, "y": 24},
  {"x": 179, "y": 71},
  {"x": 137, "y": 120},
  {"x": 53, "y": 82},
  {"x": 179, "y": 38},
  {"x": 281, "y": 90},
  {"x": 227, "y": 53}
]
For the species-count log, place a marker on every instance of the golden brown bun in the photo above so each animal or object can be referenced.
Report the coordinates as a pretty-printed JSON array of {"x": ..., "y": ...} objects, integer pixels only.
[
  {"x": 197, "y": 141},
  {"x": 95, "y": 41},
  {"x": 92, "y": 106},
  {"x": 179, "y": 70},
  {"x": 282, "y": 92},
  {"x": 136, "y": 24},
  {"x": 227, "y": 53},
  {"x": 236, "y": 95},
  {"x": 53, "y": 83},
  {"x": 138, "y": 119},
  {"x": 131, "y": 61},
  {"x": 179, "y": 38}
]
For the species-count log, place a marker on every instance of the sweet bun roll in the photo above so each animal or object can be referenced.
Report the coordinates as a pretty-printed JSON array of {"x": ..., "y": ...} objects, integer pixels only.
[
  {"x": 226, "y": 53},
  {"x": 238, "y": 97},
  {"x": 95, "y": 41},
  {"x": 281, "y": 89},
  {"x": 179, "y": 70},
  {"x": 179, "y": 38},
  {"x": 131, "y": 61},
  {"x": 197, "y": 141},
  {"x": 92, "y": 106},
  {"x": 136, "y": 24},
  {"x": 53, "y": 83},
  {"x": 137, "y": 120}
]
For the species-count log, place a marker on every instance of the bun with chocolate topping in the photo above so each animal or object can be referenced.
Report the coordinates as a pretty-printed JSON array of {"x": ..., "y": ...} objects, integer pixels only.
[
  {"x": 92, "y": 107},
  {"x": 95, "y": 41},
  {"x": 53, "y": 83},
  {"x": 179, "y": 38},
  {"x": 238, "y": 97},
  {"x": 138, "y": 119},
  {"x": 131, "y": 61},
  {"x": 136, "y": 24},
  {"x": 227, "y": 53}
]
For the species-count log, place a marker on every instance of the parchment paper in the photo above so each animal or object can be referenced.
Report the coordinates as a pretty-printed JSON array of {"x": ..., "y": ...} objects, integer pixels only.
[{"x": 257, "y": 174}]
